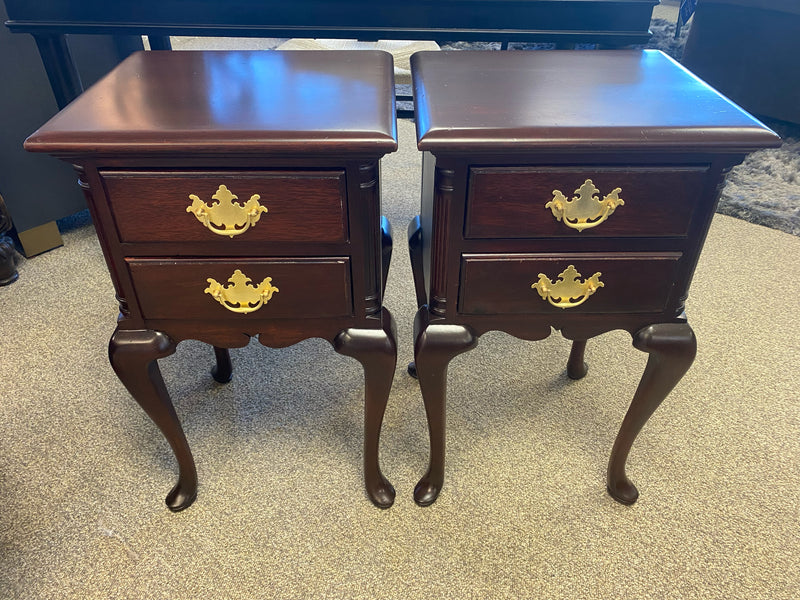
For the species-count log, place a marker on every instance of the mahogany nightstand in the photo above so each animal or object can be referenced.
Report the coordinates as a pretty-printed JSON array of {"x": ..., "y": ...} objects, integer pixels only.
[
  {"x": 564, "y": 189},
  {"x": 236, "y": 194}
]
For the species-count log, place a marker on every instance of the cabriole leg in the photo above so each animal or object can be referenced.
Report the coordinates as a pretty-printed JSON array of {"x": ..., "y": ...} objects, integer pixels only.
[
  {"x": 376, "y": 350},
  {"x": 133, "y": 356},
  {"x": 671, "y": 348},
  {"x": 434, "y": 347}
]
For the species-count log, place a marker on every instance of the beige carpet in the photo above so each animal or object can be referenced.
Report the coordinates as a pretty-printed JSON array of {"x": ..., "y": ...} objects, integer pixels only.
[
  {"x": 281, "y": 511},
  {"x": 401, "y": 51}
]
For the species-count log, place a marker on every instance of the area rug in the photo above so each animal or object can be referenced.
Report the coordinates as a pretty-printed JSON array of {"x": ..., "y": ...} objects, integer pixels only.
[{"x": 765, "y": 188}]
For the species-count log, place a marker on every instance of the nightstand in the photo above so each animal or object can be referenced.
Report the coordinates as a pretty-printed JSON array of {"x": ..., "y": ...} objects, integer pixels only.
[
  {"x": 237, "y": 194},
  {"x": 570, "y": 190}
]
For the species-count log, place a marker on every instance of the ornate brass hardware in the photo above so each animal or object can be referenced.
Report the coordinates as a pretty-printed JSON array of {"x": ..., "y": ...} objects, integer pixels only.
[
  {"x": 242, "y": 296},
  {"x": 226, "y": 217},
  {"x": 561, "y": 292},
  {"x": 584, "y": 211}
]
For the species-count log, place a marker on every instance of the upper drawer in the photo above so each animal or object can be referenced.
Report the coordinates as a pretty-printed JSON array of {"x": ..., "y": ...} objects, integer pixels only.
[
  {"x": 510, "y": 202},
  {"x": 301, "y": 206}
]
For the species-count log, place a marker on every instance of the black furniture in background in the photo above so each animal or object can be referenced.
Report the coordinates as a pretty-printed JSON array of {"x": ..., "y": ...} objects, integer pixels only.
[
  {"x": 39, "y": 190},
  {"x": 607, "y": 22}
]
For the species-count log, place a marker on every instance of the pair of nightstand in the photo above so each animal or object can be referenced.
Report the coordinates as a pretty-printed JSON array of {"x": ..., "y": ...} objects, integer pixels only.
[{"x": 236, "y": 194}]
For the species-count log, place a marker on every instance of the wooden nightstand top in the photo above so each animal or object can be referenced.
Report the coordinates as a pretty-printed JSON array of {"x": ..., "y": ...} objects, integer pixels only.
[
  {"x": 277, "y": 102},
  {"x": 573, "y": 100}
]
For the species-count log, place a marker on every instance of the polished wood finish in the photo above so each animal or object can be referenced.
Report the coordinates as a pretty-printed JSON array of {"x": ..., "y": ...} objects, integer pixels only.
[
  {"x": 304, "y": 131},
  {"x": 606, "y": 22},
  {"x": 175, "y": 288},
  {"x": 376, "y": 350},
  {"x": 501, "y": 284},
  {"x": 584, "y": 101},
  {"x": 499, "y": 133},
  {"x": 671, "y": 349},
  {"x": 435, "y": 345},
  {"x": 510, "y": 202},
  {"x": 304, "y": 206},
  {"x": 133, "y": 355},
  {"x": 278, "y": 103}
]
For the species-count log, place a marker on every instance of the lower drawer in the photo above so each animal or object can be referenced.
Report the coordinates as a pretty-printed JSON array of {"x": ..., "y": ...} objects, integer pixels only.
[
  {"x": 502, "y": 284},
  {"x": 306, "y": 287}
]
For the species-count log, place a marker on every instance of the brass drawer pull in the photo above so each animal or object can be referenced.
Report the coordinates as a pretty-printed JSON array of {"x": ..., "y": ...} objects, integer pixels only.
[
  {"x": 242, "y": 296},
  {"x": 226, "y": 217},
  {"x": 561, "y": 292},
  {"x": 584, "y": 211}
]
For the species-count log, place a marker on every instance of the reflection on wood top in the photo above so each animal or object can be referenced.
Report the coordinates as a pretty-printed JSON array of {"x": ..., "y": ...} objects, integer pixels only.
[
  {"x": 573, "y": 100},
  {"x": 221, "y": 101}
]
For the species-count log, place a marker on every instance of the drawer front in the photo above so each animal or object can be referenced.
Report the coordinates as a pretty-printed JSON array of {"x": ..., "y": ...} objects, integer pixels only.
[
  {"x": 510, "y": 202},
  {"x": 301, "y": 206},
  {"x": 306, "y": 287},
  {"x": 501, "y": 284}
]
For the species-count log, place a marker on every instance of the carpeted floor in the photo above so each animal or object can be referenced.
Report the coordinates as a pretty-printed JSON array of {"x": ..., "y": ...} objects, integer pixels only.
[{"x": 281, "y": 511}]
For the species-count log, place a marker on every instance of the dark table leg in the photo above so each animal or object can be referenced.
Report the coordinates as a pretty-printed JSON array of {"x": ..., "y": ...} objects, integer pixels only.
[
  {"x": 576, "y": 366},
  {"x": 133, "y": 356},
  {"x": 434, "y": 347},
  {"x": 416, "y": 254},
  {"x": 222, "y": 372},
  {"x": 386, "y": 251},
  {"x": 671, "y": 348},
  {"x": 417, "y": 271},
  {"x": 376, "y": 350},
  {"x": 61, "y": 70},
  {"x": 159, "y": 42}
]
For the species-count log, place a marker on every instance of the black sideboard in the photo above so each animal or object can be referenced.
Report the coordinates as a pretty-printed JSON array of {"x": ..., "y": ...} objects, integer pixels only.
[{"x": 607, "y": 22}]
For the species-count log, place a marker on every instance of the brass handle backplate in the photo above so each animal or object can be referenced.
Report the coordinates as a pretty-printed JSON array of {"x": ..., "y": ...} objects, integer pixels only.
[
  {"x": 242, "y": 296},
  {"x": 584, "y": 211},
  {"x": 567, "y": 291},
  {"x": 226, "y": 217}
]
